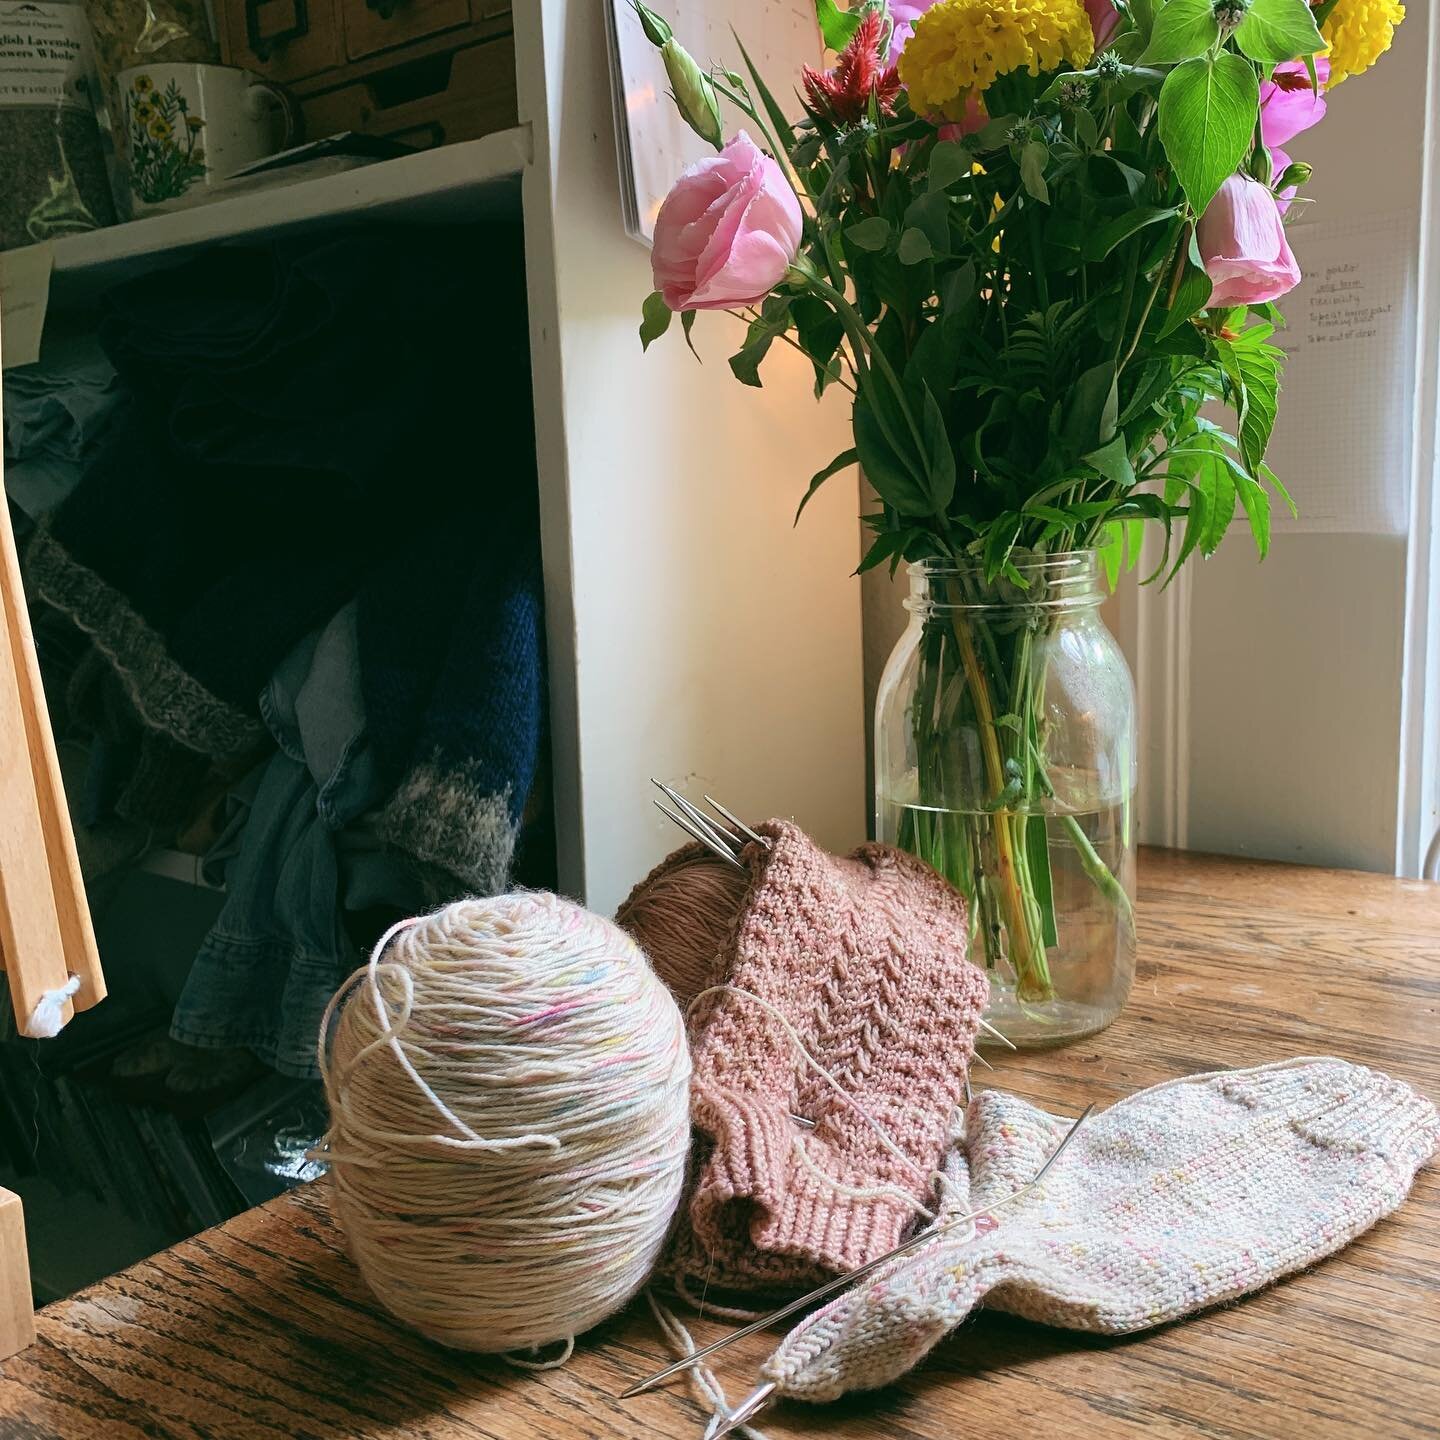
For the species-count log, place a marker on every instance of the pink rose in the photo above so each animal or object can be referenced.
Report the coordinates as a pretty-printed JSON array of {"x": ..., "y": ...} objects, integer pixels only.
[
  {"x": 1287, "y": 103},
  {"x": 727, "y": 232},
  {"x": 1104, "y": 21},
  {"x": 1242, "y": 242}
]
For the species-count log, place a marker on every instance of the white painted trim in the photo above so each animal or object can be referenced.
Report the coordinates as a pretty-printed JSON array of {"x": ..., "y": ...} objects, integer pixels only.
[
  {"x": 1164, "y": 635},
  {"x": 1418, "y": 809},
  {"x": 1153, "y": 628}
]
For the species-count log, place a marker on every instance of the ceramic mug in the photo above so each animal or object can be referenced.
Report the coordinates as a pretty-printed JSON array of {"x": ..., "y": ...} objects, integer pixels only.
[{"x": 186, "y": 128}]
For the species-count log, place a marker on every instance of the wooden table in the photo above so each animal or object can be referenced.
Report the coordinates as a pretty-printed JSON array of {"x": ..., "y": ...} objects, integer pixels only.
[{"x": 261, "y": 1328}]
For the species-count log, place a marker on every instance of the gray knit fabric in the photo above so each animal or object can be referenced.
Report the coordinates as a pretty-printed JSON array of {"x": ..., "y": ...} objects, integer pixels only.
[{"x": 1177, "y": 1198}]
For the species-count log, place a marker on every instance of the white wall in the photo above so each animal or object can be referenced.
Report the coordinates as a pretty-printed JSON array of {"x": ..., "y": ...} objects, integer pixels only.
[
  {"x": 1295, "y": 666},
  {"x": 694, "y": 634}
]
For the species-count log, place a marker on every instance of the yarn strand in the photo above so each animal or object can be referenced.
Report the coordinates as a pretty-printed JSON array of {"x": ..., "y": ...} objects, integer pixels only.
[{"x": 509, "y": 1097}]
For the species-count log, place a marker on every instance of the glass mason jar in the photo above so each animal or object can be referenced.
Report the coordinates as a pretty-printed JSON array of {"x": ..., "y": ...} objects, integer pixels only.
[{"x": 1005, "y": 756}]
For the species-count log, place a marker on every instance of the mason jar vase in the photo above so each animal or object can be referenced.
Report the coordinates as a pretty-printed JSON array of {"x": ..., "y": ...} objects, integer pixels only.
[{"x": 1005, "y": 757}]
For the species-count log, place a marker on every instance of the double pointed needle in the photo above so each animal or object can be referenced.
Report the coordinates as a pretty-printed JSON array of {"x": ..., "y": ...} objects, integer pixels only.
[{"x": 841, "y": 1281}]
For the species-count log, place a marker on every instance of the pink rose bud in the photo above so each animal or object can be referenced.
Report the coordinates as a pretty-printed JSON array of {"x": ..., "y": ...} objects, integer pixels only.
[
  {"x": 1104, "y": 21},
  {"x": 1242, "y": 242},
  {"x": 727, "y": 232}
]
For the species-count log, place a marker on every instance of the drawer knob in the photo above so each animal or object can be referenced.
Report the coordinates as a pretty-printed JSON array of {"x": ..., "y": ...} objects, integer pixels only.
[{"x": 262, "y": 46}]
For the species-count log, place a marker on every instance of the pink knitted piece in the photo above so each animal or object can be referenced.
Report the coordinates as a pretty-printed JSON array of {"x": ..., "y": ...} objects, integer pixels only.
[{"x": 865, "y": 958}]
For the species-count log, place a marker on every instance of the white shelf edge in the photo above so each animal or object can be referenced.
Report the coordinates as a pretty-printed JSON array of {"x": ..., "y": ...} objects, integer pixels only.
[{"x": 451, "y": 178}]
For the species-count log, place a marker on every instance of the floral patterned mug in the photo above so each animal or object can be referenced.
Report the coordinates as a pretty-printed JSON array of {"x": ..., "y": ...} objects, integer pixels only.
[{"x": 186, "y": 128}]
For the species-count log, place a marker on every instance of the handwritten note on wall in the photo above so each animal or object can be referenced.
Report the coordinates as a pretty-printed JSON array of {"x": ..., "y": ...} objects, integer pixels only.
[{"x": 1342, "y": 441}]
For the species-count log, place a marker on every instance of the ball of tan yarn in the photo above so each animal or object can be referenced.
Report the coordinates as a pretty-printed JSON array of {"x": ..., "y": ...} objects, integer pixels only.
[
  {"x": 682, "y": 915},
  {"x": 509, "y": 1097}
]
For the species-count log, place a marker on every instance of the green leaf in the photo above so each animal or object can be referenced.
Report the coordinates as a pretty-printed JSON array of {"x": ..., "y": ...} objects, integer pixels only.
[
  {"x": 654, "y": 319},
  {"x": 1273, "y": 481},
  {"x": 778, "y": 119},
  {"x": 1183, "y": 30},
  {"x": 1032, "y": 169},
  {"x": 1037, "y": 849},
  {"x": 841, "y": 462},
  {"x": 891, "y": 545},
  {"x": 1099, "y": 243},
  {"x": 1193, "y": 294},
  {"x": 1111, "y": 551},
  {"x": 888, "y": 472},
  {"x": 1112, "y": 461},
  {"x": 1207, "y": 116},
  {"x": 836, "y": 25},
  {"x": 1256, "y": 504},
  {"x": 1092, "y": 409},
  {"x": 940, "y": 457},
  {"x": 872, "y": 233},
  {"x": 930, "y": 213},
  {"x": 818, "y": 331},
  {"x": 1253, "y": 368},
  {"x": 774, "y": 320},
  {"x": 1277, "y": 30},
  {"x": 914, "y": 247},
  {"x": 950, "y": 161},
  {"x": 687, "y": 323}
]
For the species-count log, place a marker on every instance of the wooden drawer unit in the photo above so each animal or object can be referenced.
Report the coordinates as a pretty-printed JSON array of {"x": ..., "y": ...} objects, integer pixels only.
[
  {"x": 374, "y": 25},
  {"x": 437, "y": 99},
  {"x": 283, "y": 40},
  {"x": 319, "y": 44}
]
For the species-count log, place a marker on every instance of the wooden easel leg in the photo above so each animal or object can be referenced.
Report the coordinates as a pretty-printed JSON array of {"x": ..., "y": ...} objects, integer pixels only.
[{"x": 17, "y": 1313}]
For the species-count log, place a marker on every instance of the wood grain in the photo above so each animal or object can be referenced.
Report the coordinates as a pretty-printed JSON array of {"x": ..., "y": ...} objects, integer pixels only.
[
  {"x": 261, "y": 1329},
  {"x": 17, "y": 1312},
  {"x": 67, "y": 887},
  {"x": 32, "y": 948}
]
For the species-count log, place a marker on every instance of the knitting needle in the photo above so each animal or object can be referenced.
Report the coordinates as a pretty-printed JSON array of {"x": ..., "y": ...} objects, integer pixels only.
[
  {"x": 1003, "y": 1039},
  {"x": 695, "y": 833},
  {"x": 759, "y": 1397},
  {"x": 841, "y": 1281},
  {"x": 698, "y": 817},
  {"x": 735, "y": 820}
]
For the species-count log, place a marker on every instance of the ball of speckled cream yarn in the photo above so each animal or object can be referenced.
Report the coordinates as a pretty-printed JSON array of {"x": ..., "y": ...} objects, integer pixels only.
[
  {"x": 509, "y": 1096},
  {"x": 682, "y": 915}
]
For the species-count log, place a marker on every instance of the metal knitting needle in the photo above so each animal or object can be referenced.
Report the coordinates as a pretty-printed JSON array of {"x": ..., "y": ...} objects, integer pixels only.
[
  {"x": 869, "y": 1268},
  {"x": 759, "y": 1397},
  {"x": 736, "y": 821},
  {"x": 696, "y": 833},
  {"x": 746, "y": 1410},
  {"x": 1003, "y": 1039},
  {"x": 700, "y": 818}
]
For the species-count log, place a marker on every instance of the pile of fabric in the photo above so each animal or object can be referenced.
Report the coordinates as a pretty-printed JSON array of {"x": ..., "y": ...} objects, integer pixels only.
[{"x": 305, "y": 553}]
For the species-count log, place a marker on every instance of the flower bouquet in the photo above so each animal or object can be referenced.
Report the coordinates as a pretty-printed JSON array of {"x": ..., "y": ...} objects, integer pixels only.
[{"x": 1041, "y": 243}]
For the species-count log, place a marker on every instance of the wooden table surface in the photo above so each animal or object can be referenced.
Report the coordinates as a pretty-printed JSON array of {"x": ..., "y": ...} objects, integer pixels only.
[{"x": 261, "y": 1328}]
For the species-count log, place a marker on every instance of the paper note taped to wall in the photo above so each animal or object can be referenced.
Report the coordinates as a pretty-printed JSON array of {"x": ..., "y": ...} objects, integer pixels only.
[
  {"x": 1343, "y": 437},
  {"x": 24, "y": 299}
]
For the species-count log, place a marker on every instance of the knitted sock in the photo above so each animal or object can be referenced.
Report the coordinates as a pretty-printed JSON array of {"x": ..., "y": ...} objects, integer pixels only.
[
  {"x": 863, "y": 958},
  {"x": 1177, "y": 1198}
]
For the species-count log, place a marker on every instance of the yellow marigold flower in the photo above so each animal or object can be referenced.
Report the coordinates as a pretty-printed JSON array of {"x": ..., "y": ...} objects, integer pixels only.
[
  {"x": 962, "y": 45},
  {"x": 145, "y": 112},
  {"x": 160, "y": 128},
  {"x": 143, "y": 85},
  {"x": 1358, "y": 33}
]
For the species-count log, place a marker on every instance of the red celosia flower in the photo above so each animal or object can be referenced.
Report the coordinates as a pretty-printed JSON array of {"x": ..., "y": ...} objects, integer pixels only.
[{"x": 843, "y": 94}]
